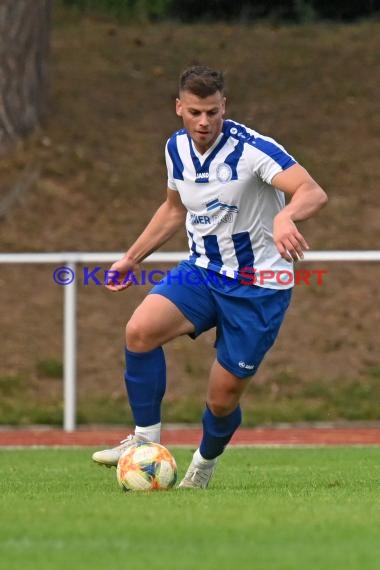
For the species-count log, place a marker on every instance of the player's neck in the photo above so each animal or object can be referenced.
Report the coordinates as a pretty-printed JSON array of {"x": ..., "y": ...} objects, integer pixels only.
[{"x": 202, "y": 149}]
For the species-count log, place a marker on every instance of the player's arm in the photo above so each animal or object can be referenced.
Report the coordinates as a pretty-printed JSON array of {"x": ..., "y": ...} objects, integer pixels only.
[
  {"x": 166, "y": 221},
  {"x": 307, "y": 197}
]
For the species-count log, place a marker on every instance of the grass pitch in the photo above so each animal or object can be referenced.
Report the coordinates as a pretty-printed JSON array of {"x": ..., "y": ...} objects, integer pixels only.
[{"x": 266, "y": 509}]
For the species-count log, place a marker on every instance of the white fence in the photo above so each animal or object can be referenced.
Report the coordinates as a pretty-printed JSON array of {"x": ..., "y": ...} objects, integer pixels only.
[{"x": 71, "y": 259}]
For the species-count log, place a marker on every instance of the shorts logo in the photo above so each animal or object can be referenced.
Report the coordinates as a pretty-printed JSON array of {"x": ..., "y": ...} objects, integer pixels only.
[
  {"x": 243, "y": 364},
  {"x": 223, "y": 172}
]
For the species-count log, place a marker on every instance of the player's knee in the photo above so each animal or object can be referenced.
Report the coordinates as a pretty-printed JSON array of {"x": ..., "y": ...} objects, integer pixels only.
[
  {"x": 220, "y": 408},
  {"x": 137, "y": 337},
  {"x": 223, "y": 401}
]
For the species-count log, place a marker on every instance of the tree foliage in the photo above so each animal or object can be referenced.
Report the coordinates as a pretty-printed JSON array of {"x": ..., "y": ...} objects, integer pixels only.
[{"x": 238, "y": 10}]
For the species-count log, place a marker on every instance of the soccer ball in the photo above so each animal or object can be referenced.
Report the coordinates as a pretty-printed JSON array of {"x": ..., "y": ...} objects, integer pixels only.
[{"x": 146, "y": 467}]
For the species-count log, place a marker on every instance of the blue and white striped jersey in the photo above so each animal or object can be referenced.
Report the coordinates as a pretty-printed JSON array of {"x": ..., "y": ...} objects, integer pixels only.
[{"x": 231, "y": 203}]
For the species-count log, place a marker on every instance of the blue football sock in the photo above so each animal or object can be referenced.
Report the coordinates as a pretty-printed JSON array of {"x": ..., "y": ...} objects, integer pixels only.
[
  {"x": 145, "y": 380},
  {"x": 217, "y": 432}
]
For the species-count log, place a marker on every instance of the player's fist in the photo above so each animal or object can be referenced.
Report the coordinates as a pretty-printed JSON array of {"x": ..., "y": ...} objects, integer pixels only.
[
  {"x": 289, "y": 241},
  {"x": 120, "y": 275}
]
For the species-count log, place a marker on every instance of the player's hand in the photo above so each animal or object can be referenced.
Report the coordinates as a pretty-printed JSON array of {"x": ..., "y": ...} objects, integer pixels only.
[
  {"x": 120, "y": 275},
  {"x": 289, "y": 241}
]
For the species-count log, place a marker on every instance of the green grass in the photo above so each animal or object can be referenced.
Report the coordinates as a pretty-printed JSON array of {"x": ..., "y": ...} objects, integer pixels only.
[
  {"x": 267, "y": 509},
  {"x": 293, "y": 401},
  {"x": 50, "y": 368}
]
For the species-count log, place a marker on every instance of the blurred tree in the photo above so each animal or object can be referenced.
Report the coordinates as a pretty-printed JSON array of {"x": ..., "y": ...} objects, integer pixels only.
[{"x": 24, "y": 47}]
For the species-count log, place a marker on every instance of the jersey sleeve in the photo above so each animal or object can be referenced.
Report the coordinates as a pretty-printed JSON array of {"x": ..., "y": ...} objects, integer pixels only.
[
  {"x": 269, "y": 158},
  {"x": 170, "y": 168}
]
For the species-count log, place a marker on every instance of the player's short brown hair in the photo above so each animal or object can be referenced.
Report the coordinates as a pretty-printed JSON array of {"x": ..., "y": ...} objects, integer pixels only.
[{"x": 201, "y": 80}]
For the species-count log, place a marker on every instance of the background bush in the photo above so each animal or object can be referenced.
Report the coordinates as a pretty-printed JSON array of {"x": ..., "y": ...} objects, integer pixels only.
[{"x": 225, "y": 10}]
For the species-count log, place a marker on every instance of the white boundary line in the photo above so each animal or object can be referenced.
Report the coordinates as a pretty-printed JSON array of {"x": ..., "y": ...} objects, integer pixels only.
[{"x": 192, "y": 447}]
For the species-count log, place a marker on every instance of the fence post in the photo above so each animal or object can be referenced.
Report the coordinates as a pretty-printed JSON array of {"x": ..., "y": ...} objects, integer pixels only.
[{"x": 69, "y": 352}]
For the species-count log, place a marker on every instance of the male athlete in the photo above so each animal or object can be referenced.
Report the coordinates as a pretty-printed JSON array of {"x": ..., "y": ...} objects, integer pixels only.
[{"x": 227, "y": 182}]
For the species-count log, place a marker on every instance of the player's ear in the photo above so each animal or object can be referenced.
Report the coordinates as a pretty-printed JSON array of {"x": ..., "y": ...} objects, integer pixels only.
[
  {"x": 224, "y": 105},
  {"x": 178, "y": 107}
]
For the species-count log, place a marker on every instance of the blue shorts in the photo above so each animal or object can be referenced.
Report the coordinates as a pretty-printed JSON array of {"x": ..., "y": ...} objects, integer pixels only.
[{"x": 247, "y": 317}]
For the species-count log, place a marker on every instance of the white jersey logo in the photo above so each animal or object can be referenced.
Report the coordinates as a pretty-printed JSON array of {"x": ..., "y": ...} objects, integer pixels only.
[
  {"x": 202, "y": 176},
  {"x": 223, "y": 172}
]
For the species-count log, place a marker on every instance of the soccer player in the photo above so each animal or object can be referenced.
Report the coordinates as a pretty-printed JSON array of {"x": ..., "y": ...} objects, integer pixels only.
[{"x": 226, "y": 182}]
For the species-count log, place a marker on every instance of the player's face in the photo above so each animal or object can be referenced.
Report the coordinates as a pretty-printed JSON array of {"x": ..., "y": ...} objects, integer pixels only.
[{"x": 202, "y": 117}]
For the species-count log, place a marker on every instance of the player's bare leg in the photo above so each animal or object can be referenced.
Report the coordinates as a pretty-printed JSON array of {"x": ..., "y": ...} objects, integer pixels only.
[
  {"x": 156, "y": 321},
  {"x": 224, "y": 390},
  {"x": 221, "y": 419}
]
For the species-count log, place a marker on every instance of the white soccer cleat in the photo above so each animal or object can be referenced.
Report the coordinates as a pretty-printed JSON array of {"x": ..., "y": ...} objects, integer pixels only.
[
  {"x": 110, "y": 457},
  {"x": 198, "y": 475}
]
